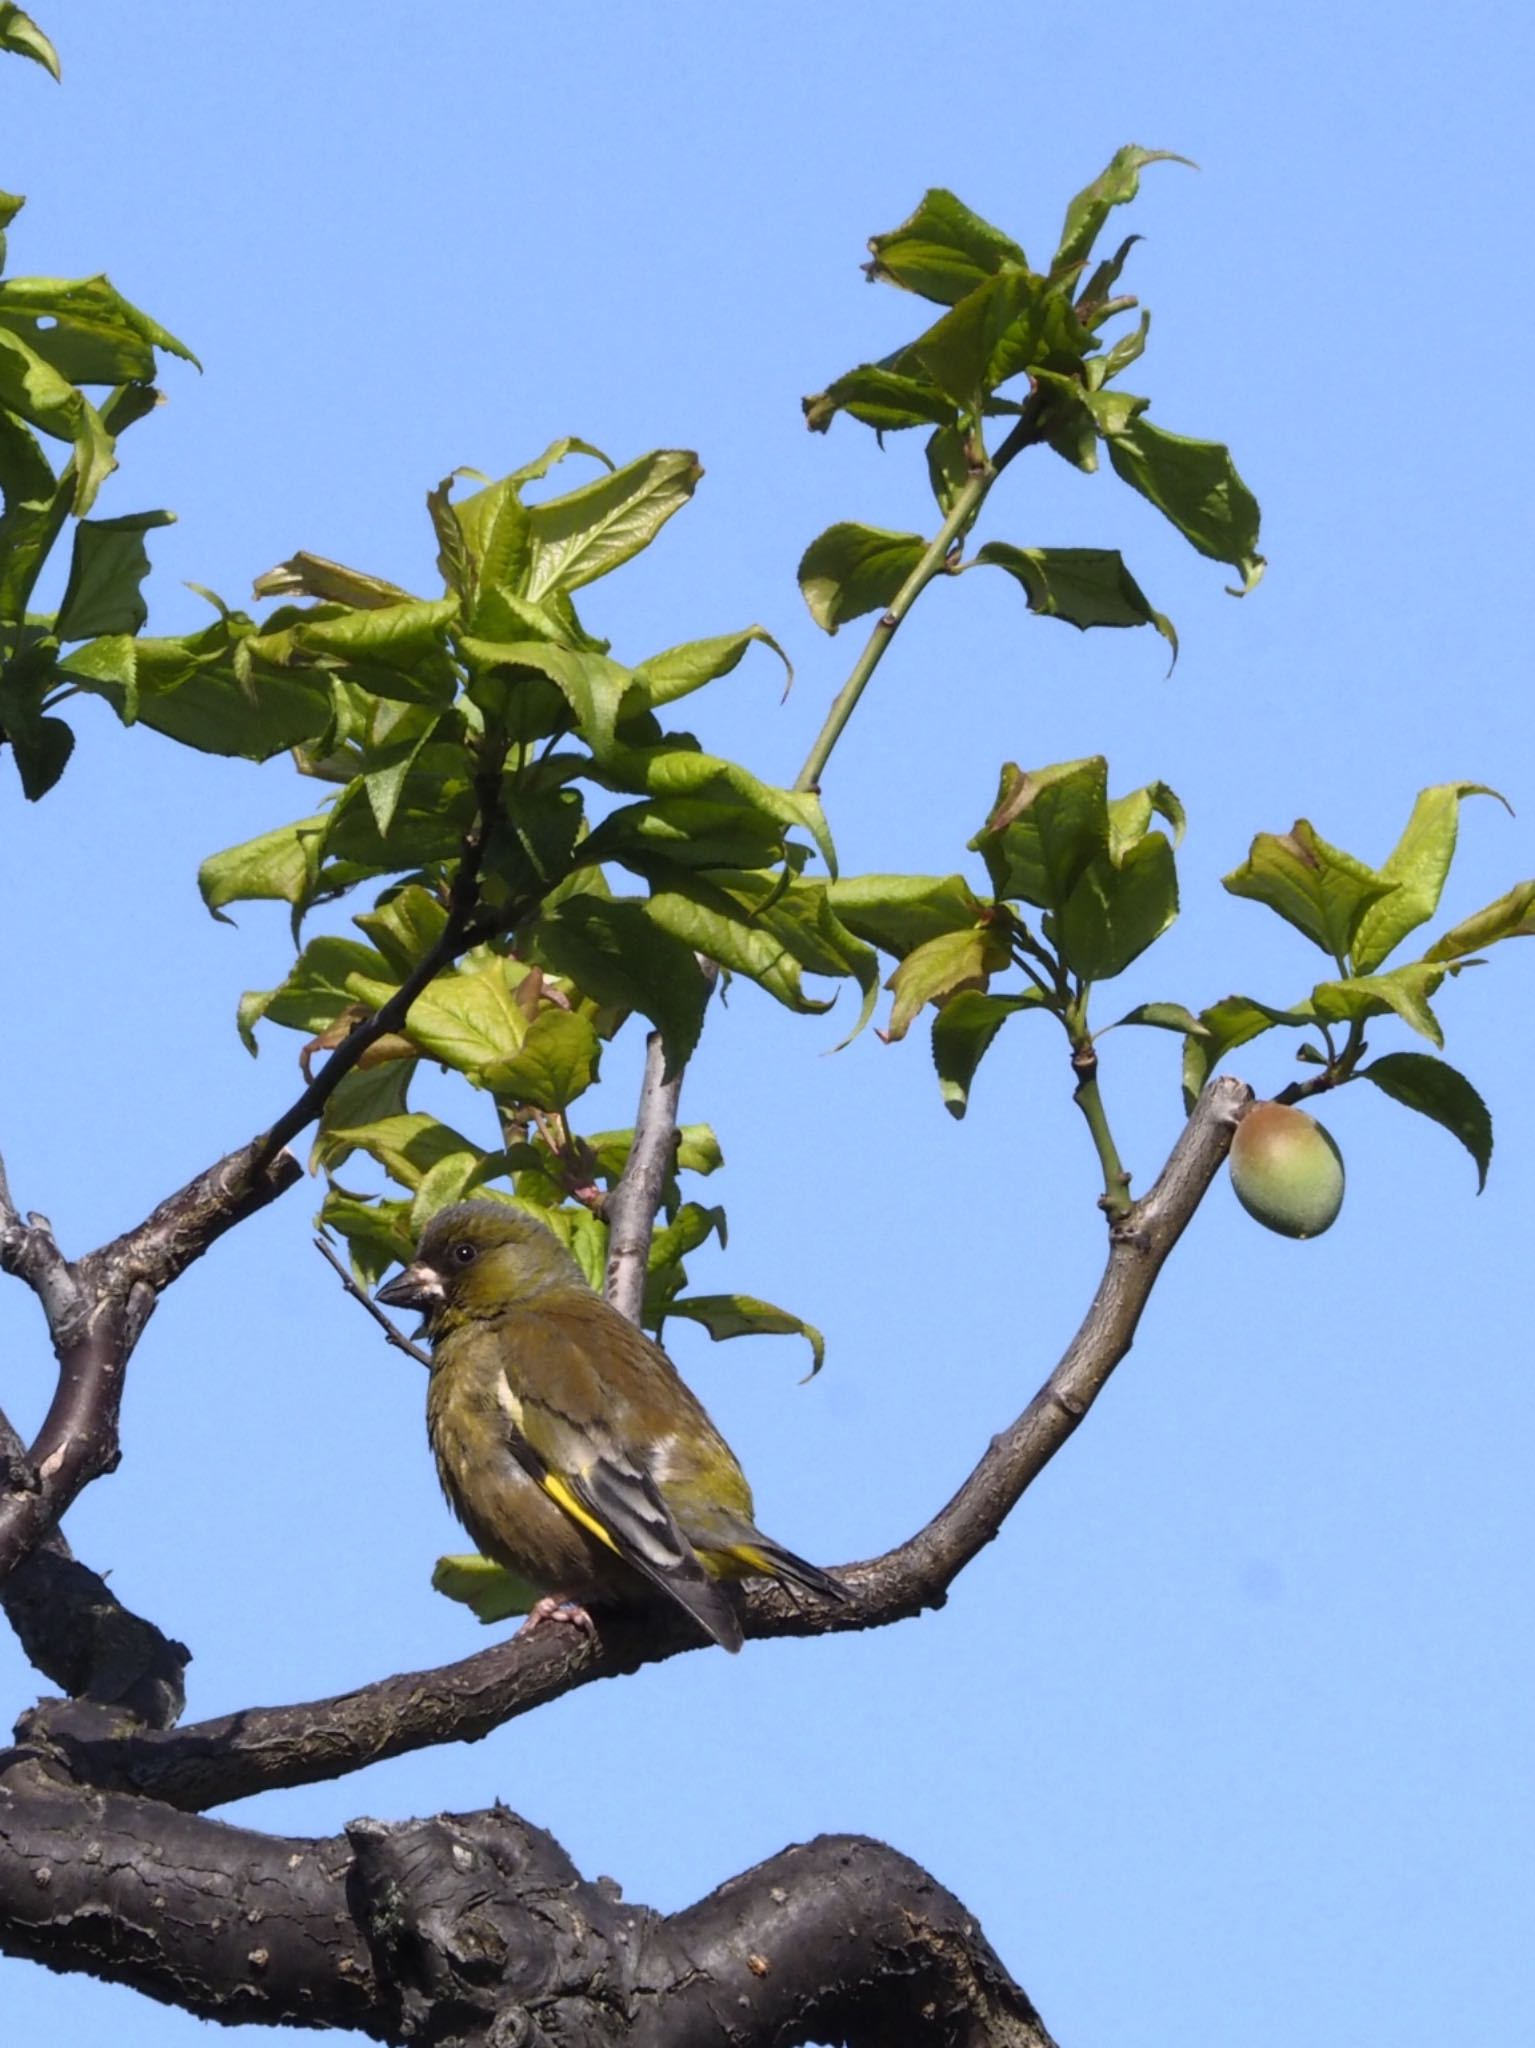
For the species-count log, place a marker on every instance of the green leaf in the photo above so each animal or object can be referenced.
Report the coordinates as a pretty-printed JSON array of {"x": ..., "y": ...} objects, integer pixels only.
[
  {"x": 489, "y": 1591},
  {"x": 943, "y": 967},
  {"x": 189, "y": 690},
  {"x": 1091, "y": 208},
  {"x": 1511, "y": 917},
  {"x": 1437, "y": 1090},
  {"x": 1195, "y": 485},
  {"x": 109, "y": 563},
  {"x": 1163, "y": 1017},
  {"x": 1130, "y": 816},
  {"x": 675, "y": 771},
  {"x": 942, "y": 251},
  {"x": 588, "y": 532},
  {"x": 409, "y": 1147},
  {"x": 761, "y": 944},
  {"x": 306, "y": 575},
  {"x": 851, "y": 569},
  {"x": 365, "y": 1095},
  {"x": 683, "y": 669},
  {"x": 330, "y": 975},
  {"x": 899, "y": 912},
  {"x": 1418, "y": 864},
  {"x": 275, "y": 867},
  {"x": 86, "y": 329},
  {"x": 42, "y": 747},
  {"x": 962, "y": 1034},
  {"x": 405, "y": 927},
  {"x": 1045, "y": 828},
  {"x": 378, "y": 1233},
  {"x": 1402, "y": 990},
  {"x": 886, "y": 400},
  {"x": 591, "y": 685},
  {"x": 558, "y": 1061},
  {"x": 1011, "y": 323},
  {"x": 1322, "y": 891},
  {"x": 469, "y": 1019},
  {"x": 31, "y": 388},
  {"x": 1231, "y": 1022},
  {"x": 948, "y": 466},
  {"x": 36, "y": 505},
  {"x": 20, "y": 34},
  {"x": 743, "y": 1315},
  {"x": 616, "y": 954},
  {"x": 1116, "y": 909},
  {"x": 1084, "y": 586}
]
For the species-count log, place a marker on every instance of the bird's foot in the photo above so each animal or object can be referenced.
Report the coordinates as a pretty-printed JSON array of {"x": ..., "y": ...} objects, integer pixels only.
[{"x": 553, "y": 1608}]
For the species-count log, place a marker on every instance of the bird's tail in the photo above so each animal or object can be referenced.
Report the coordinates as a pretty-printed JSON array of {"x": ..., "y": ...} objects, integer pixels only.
[{"x": 754, "y": 1552}]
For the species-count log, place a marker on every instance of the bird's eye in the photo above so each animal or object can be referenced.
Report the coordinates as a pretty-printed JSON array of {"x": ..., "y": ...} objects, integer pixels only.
[{"x": 463, "y": 1255}]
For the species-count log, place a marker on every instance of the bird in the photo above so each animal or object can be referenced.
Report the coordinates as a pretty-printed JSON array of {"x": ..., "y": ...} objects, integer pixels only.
[{"x": 566, "y": 1441}]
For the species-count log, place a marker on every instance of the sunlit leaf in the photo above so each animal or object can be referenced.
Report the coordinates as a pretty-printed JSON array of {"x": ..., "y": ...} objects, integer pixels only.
[{"x": 1437, "y": 1090}]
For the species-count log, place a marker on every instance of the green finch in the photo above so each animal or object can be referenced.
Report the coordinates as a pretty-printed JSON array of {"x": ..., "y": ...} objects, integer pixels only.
[{"x": 566, "y": 1443}]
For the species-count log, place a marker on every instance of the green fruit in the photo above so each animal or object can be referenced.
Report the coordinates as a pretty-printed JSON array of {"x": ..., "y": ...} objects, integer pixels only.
[{"x": 1286, "y": 1170}]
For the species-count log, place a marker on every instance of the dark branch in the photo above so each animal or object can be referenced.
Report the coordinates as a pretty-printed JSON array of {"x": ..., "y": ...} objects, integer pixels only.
[
  {"x": 212, "y": 1762},
  {"x": 392, "y": 1332},
  {"x": 477, "y": 1928},
  {"x": 96, "y": 1314}
]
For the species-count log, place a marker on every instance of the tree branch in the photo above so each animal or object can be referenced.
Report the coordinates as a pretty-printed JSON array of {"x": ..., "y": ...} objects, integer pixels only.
[
  {"x": 478, "y": 1929},
  {"x": 213, "y": 1762},
  {"x": 632, "y": 1205}
]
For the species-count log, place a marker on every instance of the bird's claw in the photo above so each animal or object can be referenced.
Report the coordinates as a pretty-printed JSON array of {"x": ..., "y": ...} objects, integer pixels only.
[{"x": 553, "y": 1608}]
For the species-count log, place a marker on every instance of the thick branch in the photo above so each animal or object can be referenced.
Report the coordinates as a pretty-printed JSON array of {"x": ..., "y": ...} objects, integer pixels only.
[
  {"x": 225, "y": 1923},
  {"x": 477, "y": 1928},
  {"x": 212, "y": 1762}
]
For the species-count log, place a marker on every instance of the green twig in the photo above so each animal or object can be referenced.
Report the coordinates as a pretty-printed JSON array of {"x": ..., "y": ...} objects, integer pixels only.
[{"x": 935, "y": 562}]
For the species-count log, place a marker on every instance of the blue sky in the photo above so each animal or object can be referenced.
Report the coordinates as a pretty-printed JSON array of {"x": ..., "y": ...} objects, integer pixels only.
[{"x": 1233, "y": 1723}]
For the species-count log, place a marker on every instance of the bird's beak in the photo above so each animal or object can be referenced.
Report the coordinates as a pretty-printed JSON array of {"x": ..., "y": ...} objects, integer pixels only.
[{"x": 417, "y": 1287}]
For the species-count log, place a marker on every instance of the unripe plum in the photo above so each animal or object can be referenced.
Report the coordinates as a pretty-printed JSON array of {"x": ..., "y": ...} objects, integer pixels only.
[{"x": 1286, "y": 1170}]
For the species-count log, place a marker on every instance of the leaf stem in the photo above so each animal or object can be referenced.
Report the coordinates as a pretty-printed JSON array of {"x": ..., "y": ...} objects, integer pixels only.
[
  {"x": 935, "y": 562},
  {"x": 1115, "y": 1200}
]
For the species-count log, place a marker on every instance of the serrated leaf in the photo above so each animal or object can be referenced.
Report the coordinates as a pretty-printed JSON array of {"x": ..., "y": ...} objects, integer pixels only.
[
  {"x": 708, "y": 920},
  {"x": 1084, "y": 586},
  {"x": 851, "y": 569},
  {"x": 674, "y": 771},
  {"x": 962, "y": 1034},
  {"x": 743, "y": 1315},
  {"x": 1402, "y": 990},
  {"x": 86, "y": 329},
  {"x": 1437, "y": 1090},
  {"x": 20, "y": 34},
  {"x": 1418, "y": 864},
  {"x": 469, "y": 1019},
  {"x": 1231, "y": 1022},
  {"x": 942, "y": 250},
  {"x": 587, "y": 533},
  {"x": 365, "y": 1095},
  {"x": 1045, "y": 828},
  {"x": 943, "y": 967},
  {"x": 898, "y": 912},
  {"x": 1130, "y": 816},
  {"x": 277, "y": 867},
  {"x": 109, "y": 563},
  {"x": 1112, "y": 187},
  {"x": 886, "y": 400},
  {"x": 489, "y": 1591},
  {"x": 306, "y": 575},
  {"x": 591, "y": 685},
  {"x": 378, "y": 1233},
  {"x": 1116, "y": 909},
  {"x": 409, "y": 1147},
  {"x": 1195, "y": 485},
  {"x": 557, "y": 1062},
  {"x": 1511, "y": 917},
  {"x": 616, "y": 954},
  {"x": 1316, "y": 887},
  {"x": 406, "y": 927},
  {"x": 1013, "y": 322}
]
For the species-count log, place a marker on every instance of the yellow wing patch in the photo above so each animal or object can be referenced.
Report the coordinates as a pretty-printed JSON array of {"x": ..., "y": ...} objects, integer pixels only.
[{"x": 557, "y": 1490}]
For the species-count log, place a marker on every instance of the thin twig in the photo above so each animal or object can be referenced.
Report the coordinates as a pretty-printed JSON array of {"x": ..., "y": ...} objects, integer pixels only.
[{"x": 391, "y": 1330}]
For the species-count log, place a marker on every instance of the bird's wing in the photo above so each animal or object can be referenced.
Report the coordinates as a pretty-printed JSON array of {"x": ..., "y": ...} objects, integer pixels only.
[{"x": 600, "y": 1486}]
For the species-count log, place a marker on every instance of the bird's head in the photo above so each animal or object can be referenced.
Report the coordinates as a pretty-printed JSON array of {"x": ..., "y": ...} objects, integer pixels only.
[{"x": 479, "y": 1256}]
